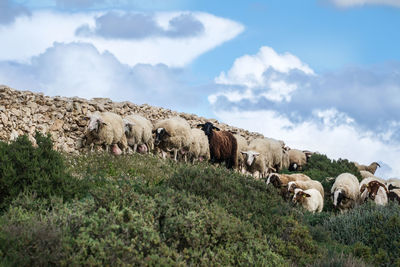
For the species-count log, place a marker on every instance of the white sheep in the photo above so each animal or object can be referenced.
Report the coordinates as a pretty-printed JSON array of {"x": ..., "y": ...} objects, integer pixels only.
[
  {"x": 305, "y": 185},
  {"x": 138, "y": 131},
  {"x": 242, "y": 146},
  {"x": 365, "y": 181},
  {"x": 173, "y": 134},
  {"x": 376, "y": 191},
  {"x": 345, "y": 192},
  {"x": 258, "y": 157},
  {"x": 276, "y": 149},
  {"x": 297, "y": 159},
  {"x": 107, "y": 129},
  {"x": 310, "y": 199},
  {"x": 199, "y": 148}
]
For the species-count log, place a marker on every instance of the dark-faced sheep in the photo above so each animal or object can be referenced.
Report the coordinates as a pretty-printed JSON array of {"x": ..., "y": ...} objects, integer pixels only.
[
  {"x": 376, "y": 191},
  {"x": 223, "y": 145}
]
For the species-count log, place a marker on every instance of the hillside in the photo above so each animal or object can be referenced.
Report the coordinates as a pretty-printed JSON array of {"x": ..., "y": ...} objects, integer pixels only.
[
  {"x": 24, "y": 112},
  {"x": 68, "y": 209}
]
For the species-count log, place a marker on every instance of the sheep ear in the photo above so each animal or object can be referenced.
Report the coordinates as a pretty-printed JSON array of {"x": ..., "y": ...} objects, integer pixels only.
[
  {"x": 167, "y": 133},
  {"x": 243, "y": 152},
  {"x": 216, "y": 128},
  {"x": 200, "y": 125},
  {"x": 307, "y": 195}
]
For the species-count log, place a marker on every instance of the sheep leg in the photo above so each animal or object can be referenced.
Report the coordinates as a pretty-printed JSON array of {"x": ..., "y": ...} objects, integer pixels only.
[
  {"x": 175, "y": 154},
  {"x": 134, "y": 147}
]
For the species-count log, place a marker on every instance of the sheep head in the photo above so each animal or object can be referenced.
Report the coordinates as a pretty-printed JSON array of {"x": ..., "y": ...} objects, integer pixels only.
[
  {"x": 208, "y": 128},
  {"x": 95, "y": 123},
  {"x": 373, "y": 188},
  {"x": 274, "y": 180},
  {"x": 161, "y": 134},
  {"x": 250, "y": 156},
  {"x": 339, "y": 197},
  {"x": 128, "y": 127},
  {"x": 299, "y": 195}
]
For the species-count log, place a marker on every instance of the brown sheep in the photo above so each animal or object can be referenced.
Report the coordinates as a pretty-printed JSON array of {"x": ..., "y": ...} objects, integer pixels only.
[
  {"x": 281, "y": 181},
  {"x": 223, "y": 145}
]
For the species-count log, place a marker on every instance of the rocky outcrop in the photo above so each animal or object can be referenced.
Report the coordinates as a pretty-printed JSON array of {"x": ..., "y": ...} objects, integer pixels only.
[{"x": 24, "y": 112}]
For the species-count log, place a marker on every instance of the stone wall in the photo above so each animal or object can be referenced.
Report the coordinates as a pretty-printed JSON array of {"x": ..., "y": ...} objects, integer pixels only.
[{"x": 24, "y": 112}]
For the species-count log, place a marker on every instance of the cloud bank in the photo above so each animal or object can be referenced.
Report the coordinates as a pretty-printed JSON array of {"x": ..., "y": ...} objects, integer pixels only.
[
  {"x": 79, "y": 69},
  {"x": 172, "y": 38},
  {"x": 138, "y": 26},
  {"x": 351, "y": 113}
]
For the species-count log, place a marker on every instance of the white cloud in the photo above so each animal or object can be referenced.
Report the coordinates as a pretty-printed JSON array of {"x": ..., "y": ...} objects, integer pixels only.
[
  {"x": 329, "y": 132},
  {"x": 351, "y": 3},
  {"x": 249, "y": 70},
  {"x": 31, "y": 36},
  {"x": 79, "y": 69},
  {"x": 262, "y": 71}
]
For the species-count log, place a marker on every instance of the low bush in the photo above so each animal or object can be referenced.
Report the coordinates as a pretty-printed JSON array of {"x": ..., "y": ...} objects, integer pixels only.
[
  {"x": 373, "y": 231},
  {"x": 38, "y": 169}
]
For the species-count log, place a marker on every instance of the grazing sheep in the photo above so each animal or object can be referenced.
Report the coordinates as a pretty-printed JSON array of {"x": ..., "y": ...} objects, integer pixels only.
[
  {"x": 259, "y": 157},
  {"x": 310, "y": 199},
  {"x": 376, "y": 191},
  {"x": 364, "y": 182},
  {"x": 345, "y": 192},
  {"x": 281, "y": 181},
  {"x": 199, "y": 148},
  {"x": 223, "y": 145},
  {"x": 138, "y": 131},
  {"x": 242, "y": 146},
  {"x": 297, "y": 159},
  {"x": 275, "y": 150},
  {"x": 107, "y": 129},
  {"x": 306, "y": 185},
  {"x": 255, "y": 163},
  {"x": 173, "y": 134},
  {"x": 371, "y": 168}
]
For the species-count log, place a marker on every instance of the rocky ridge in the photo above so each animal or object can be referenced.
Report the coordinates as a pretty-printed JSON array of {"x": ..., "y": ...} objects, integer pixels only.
[{"x": 65, "y": 118}]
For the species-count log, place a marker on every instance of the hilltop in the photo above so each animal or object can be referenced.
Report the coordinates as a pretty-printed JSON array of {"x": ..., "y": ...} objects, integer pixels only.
[{"x": 24, "y": 112}]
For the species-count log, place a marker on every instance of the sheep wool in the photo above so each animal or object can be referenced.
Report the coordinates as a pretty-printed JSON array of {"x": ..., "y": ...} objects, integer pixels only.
[
  {"x": 106, "y": 128},
  {"x": 310, "y": 199},
  {"x": 345, "y": 192},
  {"x": 138, "y": 131}
]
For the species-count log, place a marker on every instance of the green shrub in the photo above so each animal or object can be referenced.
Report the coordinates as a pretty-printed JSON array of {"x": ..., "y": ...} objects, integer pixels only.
[
  {"x": 251, "y": 201},
  {"x": 38, "y": 169},
  {"x": 374, "y": 231},
  {"x": 126, "y": 222}
]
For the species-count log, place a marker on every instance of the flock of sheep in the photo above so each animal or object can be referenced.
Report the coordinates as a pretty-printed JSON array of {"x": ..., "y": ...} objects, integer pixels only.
[
  {"x": 261, "y": 157},
  {"x": 346, "y": 192}
]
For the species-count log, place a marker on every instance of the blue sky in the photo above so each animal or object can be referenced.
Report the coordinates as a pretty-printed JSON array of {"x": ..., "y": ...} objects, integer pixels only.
[{"x": 322, "y": 75}]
